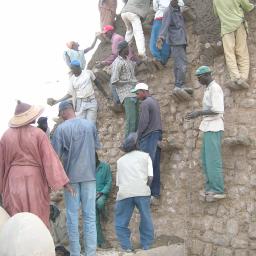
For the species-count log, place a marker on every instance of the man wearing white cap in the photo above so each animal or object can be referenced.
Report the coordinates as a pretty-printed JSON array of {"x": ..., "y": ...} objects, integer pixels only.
[{"x": 150, "y": 132}]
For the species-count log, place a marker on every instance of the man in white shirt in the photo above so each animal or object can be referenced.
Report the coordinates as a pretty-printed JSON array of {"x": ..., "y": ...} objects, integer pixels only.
[
  {"x": 82, "y": 93},
  {"x": 133, "y": 178},
  {"x": 212, "y": 127}
]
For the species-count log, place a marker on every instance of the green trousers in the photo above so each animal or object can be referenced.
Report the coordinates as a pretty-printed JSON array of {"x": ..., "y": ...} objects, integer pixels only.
[
  {"x": 100, "y": 204},
  {"x": 131, "y": 108},
  {"x": 212, "y": 162}
]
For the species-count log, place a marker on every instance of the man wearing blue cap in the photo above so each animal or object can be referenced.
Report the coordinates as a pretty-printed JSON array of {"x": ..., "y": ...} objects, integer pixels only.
[
  {"x": 75, "y": 142},
  {"x": 82, "y": 92},
  {"x": 212, "y": 127}
]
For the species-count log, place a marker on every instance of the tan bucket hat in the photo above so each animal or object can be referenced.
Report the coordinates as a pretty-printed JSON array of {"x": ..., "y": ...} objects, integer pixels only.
[{"x": 25, "y": 114}]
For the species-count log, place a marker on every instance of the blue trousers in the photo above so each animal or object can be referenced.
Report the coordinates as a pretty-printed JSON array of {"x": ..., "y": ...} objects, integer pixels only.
[
  {"x": 148, "y": 144},
  {"x": 163, "y": 54},
  {"x": 86, "y": 197},
  {"x": 123, "y": 213}
]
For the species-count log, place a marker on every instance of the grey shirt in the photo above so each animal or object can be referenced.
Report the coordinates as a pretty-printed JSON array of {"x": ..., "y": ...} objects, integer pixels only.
[
  {"x": 173, "y": 27},
  {"x": 149, "y": 117},
  {"x": 139, "y": 7},
  {"x": 75, "y": 141}
]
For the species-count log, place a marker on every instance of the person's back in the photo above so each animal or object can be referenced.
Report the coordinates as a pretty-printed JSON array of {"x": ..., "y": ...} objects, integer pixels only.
[
  {"x": 132, "y": 175},
  {"x": 79, "y": 141},
  {"x": 231, "y": 13},
  {"x": 26, "y": 140}
]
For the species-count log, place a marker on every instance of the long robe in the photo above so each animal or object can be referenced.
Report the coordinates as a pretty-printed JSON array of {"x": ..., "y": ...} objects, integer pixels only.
[{"x": 29, "y": 169}]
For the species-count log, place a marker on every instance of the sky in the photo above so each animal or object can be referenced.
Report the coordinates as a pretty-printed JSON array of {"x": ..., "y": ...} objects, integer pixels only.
[{"x": 33, "y": 38}]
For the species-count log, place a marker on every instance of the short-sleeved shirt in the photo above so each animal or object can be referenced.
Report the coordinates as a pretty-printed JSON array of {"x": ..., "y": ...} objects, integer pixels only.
[
  {"x": 76, "y": 55},
  {"x": 213, "y": 100},
  {"x": 133, "y": 170},
  {"x": 123, "y": 71},
  {"x": 75, "y": 141},
  {"x": 82, "y": 86},
  {"x": 231, "y": 13}
]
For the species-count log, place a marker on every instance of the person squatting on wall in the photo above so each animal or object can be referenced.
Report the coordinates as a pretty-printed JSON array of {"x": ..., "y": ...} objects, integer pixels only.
[
  {"x": 82, "y": 93},
  {"x": 110, "y": 34},
  {"x": 234, "y": 32},
  {"x": 133, "y": 178},
  {"x": 212, "y": 127},
  {"x": 122, "y": 81},
  {"x": 150, "y": 132},
  {"x": 76, "y": 141}
]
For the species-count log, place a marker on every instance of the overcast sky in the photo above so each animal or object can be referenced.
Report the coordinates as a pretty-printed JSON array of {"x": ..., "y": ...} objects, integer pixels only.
[{"x": 33, "y": 37}]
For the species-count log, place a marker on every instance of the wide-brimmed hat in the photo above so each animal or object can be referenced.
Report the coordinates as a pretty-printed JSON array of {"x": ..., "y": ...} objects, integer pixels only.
[{"x": 25, "y": 114}]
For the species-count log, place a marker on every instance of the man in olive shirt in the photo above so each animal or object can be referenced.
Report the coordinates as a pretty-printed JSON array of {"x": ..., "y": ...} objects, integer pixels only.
[
  {"x": 234, "y": 35},
  {"x": 150, "y": 132}
]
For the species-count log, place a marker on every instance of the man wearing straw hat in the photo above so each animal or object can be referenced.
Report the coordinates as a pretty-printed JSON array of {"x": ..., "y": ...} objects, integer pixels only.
[{"x": 29, "y": 167}]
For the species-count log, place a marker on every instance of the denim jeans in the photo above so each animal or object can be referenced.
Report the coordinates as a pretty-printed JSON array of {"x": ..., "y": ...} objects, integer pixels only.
[
  {"x": 178, "y": 53},
  {"x": 86, "y": 197},
  {"x": 148, "y": 144},
  {"x": 163, "y": 54},
  {"x": 123, "y": 213}
]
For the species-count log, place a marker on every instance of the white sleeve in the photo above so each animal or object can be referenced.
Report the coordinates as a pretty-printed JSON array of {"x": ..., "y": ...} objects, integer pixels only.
[
  {"x": 155, "y": 5},
  {"x": 117, "y": 181},
  {"x": 150, "y": 167},
  {"x": 92, "y": 76}
]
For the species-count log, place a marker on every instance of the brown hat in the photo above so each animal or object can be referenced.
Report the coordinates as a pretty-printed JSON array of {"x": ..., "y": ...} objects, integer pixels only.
[{"x": 25, "y": 114}]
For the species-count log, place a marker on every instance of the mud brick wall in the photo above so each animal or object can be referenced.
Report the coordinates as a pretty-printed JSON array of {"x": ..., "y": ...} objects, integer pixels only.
[{"x": 227, "y": 227}]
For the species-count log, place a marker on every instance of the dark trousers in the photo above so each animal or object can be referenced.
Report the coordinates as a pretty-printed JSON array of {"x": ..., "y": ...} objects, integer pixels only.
[
  {"x": 178, "y": 53},
  {"x": 148, "y": 144}
]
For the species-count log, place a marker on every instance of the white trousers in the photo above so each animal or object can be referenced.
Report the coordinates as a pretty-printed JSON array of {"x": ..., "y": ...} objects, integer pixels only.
[{"x": 134, "y": 28}]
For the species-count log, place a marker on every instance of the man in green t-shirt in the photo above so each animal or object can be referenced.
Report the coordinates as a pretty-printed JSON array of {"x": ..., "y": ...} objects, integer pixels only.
[{"x": 234, "y": 35}]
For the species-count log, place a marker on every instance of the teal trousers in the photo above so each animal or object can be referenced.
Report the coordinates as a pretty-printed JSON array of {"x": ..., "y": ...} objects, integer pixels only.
[
  {"x": 100, "y": 204},
  {"x": 212, "y": 162}
]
